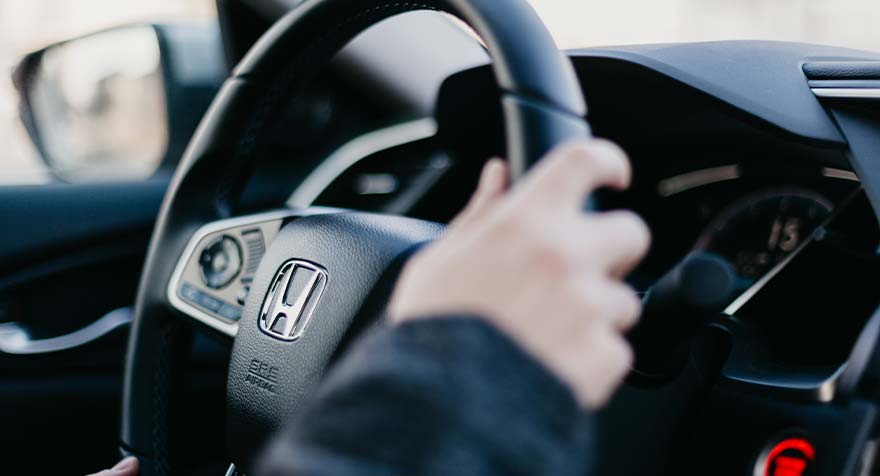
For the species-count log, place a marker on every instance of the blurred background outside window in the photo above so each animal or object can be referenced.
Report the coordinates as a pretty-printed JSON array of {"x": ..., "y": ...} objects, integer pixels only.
[{"x": 26, "y": 25}]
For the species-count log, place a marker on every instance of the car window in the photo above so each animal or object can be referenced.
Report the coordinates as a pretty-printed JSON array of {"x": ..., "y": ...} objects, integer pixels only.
[{"x": 28, "y": 25}]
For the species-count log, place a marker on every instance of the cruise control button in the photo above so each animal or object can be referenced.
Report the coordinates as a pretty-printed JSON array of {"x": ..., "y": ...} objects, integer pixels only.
[
  {"x": 209, "y": 303},
  {"x": 190, "y": 293},
  {"x": 230, "y": 312}
]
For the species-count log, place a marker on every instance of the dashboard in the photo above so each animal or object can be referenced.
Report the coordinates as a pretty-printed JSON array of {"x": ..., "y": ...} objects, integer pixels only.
[
  {"x": 753, "y": 185},
  {"x": 756, "y": 184}
]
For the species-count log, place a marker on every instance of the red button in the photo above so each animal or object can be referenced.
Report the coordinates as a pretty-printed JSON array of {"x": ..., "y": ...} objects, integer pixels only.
[{"x": 788, "y": 457}]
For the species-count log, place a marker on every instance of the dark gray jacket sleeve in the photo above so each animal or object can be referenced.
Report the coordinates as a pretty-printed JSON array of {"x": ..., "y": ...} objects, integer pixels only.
[{"x": 438, "y": 397}]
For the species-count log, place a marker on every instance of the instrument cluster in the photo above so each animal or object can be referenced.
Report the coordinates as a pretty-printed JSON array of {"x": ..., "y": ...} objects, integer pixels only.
[
  {"x": 802, "y": 243},
  {"x": 751, "y": 217}
]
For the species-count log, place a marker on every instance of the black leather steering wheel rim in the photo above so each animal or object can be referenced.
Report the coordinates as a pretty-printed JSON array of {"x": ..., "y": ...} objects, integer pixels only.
[{"x": 542, "y": 103}]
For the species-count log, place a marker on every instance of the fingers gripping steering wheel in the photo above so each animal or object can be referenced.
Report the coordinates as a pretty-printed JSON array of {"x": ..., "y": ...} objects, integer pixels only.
[{"x": 349, "y": 257}]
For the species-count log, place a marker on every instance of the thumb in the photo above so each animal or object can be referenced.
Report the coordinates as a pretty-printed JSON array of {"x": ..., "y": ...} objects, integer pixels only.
[
  {"x": 127, "y": 467},
  {"x": 493, "y": 183}
]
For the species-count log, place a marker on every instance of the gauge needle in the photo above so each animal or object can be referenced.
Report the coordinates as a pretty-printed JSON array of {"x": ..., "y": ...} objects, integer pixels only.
[
  {"x": 749, "y": 293},
  {"x": 818, "y": 233}
]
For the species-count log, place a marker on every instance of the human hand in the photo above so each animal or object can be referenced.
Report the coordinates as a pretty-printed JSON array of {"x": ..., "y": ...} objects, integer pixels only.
[
  {"x": 539, "y": 268},
  {"x": 127, "y": 467}
]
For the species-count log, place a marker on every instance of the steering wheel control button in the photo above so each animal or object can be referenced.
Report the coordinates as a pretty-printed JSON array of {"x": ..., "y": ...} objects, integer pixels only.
[
  {"x": 190, "y": 293},
  {"x": 291, "y": 300},
  {"x": 220, "y": 262},
  {"x": 210, "y": 303},
  {"x": 255, "y": 247},
  {"x": 789, "y": 456},
  {"x": 229, "y": 312},
  {"x": 215, "y": 306},
  {"x": 241, "y": 296}
]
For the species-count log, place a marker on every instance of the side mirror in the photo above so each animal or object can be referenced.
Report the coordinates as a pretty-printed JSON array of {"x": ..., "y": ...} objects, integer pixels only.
[{"x": 121, "y": 103}]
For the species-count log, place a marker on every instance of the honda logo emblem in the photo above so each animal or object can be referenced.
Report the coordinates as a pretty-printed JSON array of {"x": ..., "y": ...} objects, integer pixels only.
[{"x": 291, "y": 300}]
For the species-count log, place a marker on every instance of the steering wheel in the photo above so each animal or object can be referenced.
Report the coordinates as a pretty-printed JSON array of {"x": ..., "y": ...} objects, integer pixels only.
[{"x": 324, "y": 274}]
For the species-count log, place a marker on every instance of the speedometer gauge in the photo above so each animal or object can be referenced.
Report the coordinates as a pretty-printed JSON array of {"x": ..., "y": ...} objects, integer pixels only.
[{"x": 760, "y": 230}]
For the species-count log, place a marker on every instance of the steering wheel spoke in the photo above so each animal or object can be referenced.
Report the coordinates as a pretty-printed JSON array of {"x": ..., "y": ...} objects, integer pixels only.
[{"x": 212, "y": 279}]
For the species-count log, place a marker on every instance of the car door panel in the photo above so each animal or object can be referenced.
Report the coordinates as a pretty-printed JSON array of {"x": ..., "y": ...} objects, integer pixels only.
[{"x": 70, "y": 254}]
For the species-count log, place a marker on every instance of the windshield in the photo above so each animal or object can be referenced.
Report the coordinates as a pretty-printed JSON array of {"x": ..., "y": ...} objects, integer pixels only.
[
  {"x": 26, "y": 25},
  {"x": 579, "y": 23}
]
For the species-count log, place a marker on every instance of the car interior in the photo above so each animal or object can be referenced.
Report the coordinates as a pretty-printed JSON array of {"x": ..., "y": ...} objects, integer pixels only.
[{"x": 324, "y": 136}]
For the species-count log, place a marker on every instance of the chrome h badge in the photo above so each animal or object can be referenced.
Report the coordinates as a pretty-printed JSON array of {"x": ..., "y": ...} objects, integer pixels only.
[{"x": 291, "y": 300}]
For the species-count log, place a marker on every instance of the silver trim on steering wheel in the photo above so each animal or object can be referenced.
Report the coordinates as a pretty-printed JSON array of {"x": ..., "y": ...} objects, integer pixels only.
[{"x": 176, "y": 283}]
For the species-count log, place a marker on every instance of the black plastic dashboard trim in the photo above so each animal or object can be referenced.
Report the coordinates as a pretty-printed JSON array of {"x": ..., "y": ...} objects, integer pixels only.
[{"x": 764, "y": 79}]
